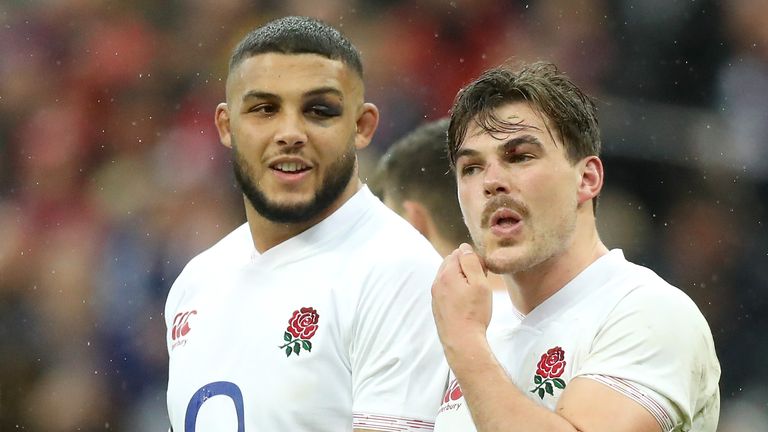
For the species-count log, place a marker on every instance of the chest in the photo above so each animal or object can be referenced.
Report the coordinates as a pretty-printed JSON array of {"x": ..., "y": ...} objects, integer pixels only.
[
  {"x": 542, "y": 361},
  {"x": 259, "y": 344}
]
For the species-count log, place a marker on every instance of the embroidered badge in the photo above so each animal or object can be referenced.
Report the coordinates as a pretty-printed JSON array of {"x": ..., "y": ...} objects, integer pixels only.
[
  {"x": 301, "y": 327},
  {"x": 550, "y": 367}
]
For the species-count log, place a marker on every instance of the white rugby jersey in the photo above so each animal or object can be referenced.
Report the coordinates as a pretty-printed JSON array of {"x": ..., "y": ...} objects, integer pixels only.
[
  {"x": 617, "y": 323},
  {"x": 503, "y": 314},
  {"x": 329, "y": 330}
]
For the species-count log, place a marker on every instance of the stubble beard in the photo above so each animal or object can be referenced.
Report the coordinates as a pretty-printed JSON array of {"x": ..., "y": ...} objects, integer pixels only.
[{"x": 337, "y": 177}]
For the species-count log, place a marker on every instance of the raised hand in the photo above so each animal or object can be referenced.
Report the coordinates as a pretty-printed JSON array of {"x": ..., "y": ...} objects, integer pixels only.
[{"x": 461, "y": 297}]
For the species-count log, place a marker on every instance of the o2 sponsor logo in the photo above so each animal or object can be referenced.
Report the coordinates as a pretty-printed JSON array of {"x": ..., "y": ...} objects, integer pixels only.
[{"x": 219, "y": 388}]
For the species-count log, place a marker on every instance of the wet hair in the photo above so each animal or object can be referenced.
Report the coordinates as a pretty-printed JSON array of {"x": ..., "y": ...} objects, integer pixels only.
[
  {"x": 297, "y": 35},
  {"x": 416, "y": 168},
  {"x": 571, "y": 113}
]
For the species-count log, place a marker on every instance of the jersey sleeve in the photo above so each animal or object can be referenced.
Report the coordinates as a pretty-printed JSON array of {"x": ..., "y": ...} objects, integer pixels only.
[
  {"x": 656, "y": 348},
  {"x": 398, "y": 369}
]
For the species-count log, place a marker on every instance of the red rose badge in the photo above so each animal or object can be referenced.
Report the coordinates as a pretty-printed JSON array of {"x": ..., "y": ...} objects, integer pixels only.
[
  {"x": 301, "y": 327},
  {"x": 550, "y": 367}
]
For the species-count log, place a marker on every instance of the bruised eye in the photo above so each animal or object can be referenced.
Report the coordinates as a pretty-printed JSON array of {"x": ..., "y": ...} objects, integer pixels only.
[
  {"x": 519, "y": 157},
  {"x": 323, "y": 111}
]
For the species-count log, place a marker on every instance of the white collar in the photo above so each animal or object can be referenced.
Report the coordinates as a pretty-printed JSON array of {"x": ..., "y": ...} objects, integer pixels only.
[
  {"x": 331, "y": 228},
  {"x": 591, "y": 278}
]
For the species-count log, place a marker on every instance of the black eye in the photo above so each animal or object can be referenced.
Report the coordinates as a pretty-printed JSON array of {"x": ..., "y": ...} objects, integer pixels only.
[
  {"x": 515, "y": 157},
  {"x": 324, "y": 111},
  {"x": 520, "y": 157}
]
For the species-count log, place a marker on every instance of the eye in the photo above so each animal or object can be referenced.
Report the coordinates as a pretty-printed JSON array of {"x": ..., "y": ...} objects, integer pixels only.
[
  {"x": 323, "y": 111},
  {"x": 264, "y": 108},
  {"x": 519, "y": 157},
  {"x": 469, "y": 170}
]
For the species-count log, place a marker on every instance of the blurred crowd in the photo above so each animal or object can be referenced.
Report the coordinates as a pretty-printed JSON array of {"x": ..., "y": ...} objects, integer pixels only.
[{"x": 112, "y": 177}]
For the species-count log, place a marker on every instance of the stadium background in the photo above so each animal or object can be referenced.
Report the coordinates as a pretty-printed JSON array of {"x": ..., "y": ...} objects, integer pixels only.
[{"x": 111, "y": 175}]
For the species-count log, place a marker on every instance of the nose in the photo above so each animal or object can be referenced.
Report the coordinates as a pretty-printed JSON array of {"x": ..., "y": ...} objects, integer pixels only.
[
  {"x": 493, "y": 181},
  {"x": 291, "y": 131}
]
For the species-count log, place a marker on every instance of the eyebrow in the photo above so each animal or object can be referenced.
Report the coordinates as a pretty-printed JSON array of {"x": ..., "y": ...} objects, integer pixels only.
[
  {"x": 325, "y": 90},
  {"x": 256, "y": 94},
  {"x": 465, "y": 152},
  {"x": 508, "y": 146},
  {"x": 511, "y": 145}
]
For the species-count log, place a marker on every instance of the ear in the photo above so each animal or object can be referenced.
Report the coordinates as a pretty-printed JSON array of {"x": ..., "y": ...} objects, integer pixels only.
[
  {"x": 591, "y": 181},
  {"x": 367, "y": 121},
  {"x": 222, "y": 124},
  {"x": 418, "y": 216}
]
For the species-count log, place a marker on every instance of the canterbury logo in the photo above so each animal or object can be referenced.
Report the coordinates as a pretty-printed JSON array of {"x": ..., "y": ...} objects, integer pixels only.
[
  {"x": 453, "y": 393},
  {"x": 453, "y": 398},
  {"x": 181, "y": 324}
]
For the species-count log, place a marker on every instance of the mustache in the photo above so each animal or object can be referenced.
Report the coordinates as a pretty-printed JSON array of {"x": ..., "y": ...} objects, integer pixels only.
[
  {"x": 285, "y": 151},
  {"x": 501, "y": 201}
]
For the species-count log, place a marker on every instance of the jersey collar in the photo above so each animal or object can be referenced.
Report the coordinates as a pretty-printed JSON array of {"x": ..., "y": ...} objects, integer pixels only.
[
  {"x": 591, "y": 278},
  {"x": 339, "y": 224}
]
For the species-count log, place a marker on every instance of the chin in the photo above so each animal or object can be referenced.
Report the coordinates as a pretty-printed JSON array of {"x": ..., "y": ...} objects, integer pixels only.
[
  {"x": 293, "y": 200},
  {"x": 503, "y": 259},
  {"x": 504, "y": 265}
]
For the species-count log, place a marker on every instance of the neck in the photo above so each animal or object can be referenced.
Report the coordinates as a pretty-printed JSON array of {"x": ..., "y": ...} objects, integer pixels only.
[
  {"x": 531, "y": 287},
  {"x": 498, "y": 282},
  {"x": 267, "y": 234}
]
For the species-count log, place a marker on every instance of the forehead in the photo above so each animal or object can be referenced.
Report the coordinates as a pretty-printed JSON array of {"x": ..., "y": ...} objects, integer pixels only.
[
  {"x": 290, "y": 74},
  {"x": 532, "y": 122}
]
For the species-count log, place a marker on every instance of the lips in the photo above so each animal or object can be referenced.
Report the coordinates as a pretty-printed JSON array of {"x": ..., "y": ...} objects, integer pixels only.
[
  {"x": 505, "y": 223},
  {"x": 504, "y": 209},
  {"x": 504, "y": 217}
]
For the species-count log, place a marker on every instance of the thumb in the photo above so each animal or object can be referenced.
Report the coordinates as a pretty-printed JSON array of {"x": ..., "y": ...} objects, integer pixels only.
[{"x": 471, "y": 265}]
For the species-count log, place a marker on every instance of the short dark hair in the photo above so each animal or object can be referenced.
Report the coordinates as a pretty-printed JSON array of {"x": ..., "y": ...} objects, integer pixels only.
[
  {"x": 297, "y": 35},
  {"x": 416, "y": 168},
  {"x": 572, "y": 113}
]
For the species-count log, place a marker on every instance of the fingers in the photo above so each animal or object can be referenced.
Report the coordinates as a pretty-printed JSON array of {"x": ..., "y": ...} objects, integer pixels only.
[
  {"x": 450, "y": 271},
  {"x": 471, "y": 265},
  {"x": 461, "y": 298}
]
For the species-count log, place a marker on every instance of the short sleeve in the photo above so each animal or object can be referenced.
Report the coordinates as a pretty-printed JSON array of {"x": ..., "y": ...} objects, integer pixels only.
[
  {"x": 657, "y": 348},
  {"x": 398, "y": 368}
]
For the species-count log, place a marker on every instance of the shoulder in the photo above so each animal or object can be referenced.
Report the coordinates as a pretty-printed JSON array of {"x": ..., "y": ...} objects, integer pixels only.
[
  {"x": 393, "y": 261},
  {"x": 392, "y": 240},
  {"x": 656, "y": 337},
  {"x": 235, "y": 246},
  {"x": 655, "y": 313},
  {"x": 651, "y": 296}
]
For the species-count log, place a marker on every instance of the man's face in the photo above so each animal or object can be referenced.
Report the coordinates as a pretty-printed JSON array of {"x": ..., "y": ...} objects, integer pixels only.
[
  {"x": 292, "y": 128},
  {"x": 518, "y": 192}
]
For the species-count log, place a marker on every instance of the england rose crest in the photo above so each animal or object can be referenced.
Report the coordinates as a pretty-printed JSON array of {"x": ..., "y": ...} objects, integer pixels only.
[
  {"x": 548, "y": 371},
  {"x": 301, "y": 327}
]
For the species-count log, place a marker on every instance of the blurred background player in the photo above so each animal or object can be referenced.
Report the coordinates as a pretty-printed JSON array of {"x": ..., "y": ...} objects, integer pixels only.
[
  {"x": 414, "y": 179},
  {"x": 314, "y": 315}
]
